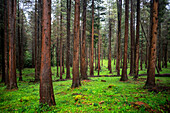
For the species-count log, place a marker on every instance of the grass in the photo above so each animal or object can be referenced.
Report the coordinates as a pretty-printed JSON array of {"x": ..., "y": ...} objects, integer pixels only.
[{"x": 93, "y": 96}]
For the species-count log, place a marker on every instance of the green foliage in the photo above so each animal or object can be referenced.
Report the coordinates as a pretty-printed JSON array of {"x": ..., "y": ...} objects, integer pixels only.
[
  {"x": 93, "y": 96},
  {"x": 28, "y": 59}
]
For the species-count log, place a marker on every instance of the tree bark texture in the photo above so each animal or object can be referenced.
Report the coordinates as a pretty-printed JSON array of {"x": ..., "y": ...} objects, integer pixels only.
[
  {"x": 76, "y": 79},
  {"x": 68, "y": 39},
  {"x": 110, "y": 35},
  {"x": 124, "y": 70},
  {"x": 11, "y": 36},
  {"x": 137, "y": 42},
  {"x": 83, "y": 51},
  {"x": 61, "y": 35},
  {"x": 6, "y": 44},
  {"x": 132, "y": 39},
  {"x": 92, "y": 43},
  {"x": 152, "y": 49},
  {"x": 119, "y": 5},
  {"x": 46, "y": 86},
  {"x": 19, "y": 45}
]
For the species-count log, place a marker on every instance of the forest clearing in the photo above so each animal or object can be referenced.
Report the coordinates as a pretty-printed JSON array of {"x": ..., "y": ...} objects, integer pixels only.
[{"x": 73, "y": 56}]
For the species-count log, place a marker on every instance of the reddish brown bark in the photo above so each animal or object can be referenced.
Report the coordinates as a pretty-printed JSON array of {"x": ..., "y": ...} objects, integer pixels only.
[
  {"x": 152, "y": 49},
  {"x": 46, "y": 86},
  {"x": 76, "y": 79},
  {"x": 132, "y": 39},
  {"x": 124, "y": 70},
  {"x": 159, "y": 48},
  {"x": 83, "y": 49},
  {"x": 92, "y": 43},
  {"x": 110, "y": 35},
  {"x": 136, "y": 66},
  {"x": 19, "y": 45},
  {"x": 68, "y": 39},
  {"x": 119, "y": 5},
  {"x": 11, "y": 35}
]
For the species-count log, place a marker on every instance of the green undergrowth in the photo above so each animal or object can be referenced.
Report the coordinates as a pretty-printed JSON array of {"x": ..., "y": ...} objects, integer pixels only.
[
  {"x": 97, "y": 95},
  {"x": 93, "y": 96}
]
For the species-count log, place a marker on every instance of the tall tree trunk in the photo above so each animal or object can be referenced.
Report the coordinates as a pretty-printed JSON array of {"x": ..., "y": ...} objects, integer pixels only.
[
  {"x": 2, "y": 54},
  {"x": 63, "y": 58},
  {"x": 141, "y": 54},
  {"x": 76, "y": 79},
  {"x": 83, "y": 51},
  {"x": 36, "y": 63},
  {"x": 92, "y": 42},
  {"x": 132, "y": 39},
  {"x": 57, "y": 60},
  {"x": 119, "y": 7},
  {"x": 46, "y": 86},
  {"x": 6, "y": 44},
  {"x": 110, "y": 35},
  {"x": 152, "y": 49},
  {"x": 124, "y": 70},
  {"x": 68, "y": 39},
  {"x": 11, "y": 35},
  {"x": 39, "y": 35},
  {"x": 99, "y": 43},
  {"x": 61, "y": 35},
  {"x": 136, "y": 66},
  {"x": 159, "y": 48},
  {"x": 19, "y": 45}
]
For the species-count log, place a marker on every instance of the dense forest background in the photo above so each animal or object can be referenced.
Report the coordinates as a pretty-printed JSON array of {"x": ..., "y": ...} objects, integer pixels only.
[{"x": 72, "y": 42}]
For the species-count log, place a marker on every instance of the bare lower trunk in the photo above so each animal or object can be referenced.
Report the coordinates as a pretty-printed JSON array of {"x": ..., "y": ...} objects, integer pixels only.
[
  {"x": 76, "y": 79},
  {"x": 136, "y": 66},
  {"x": 124, "y": 70},
  {"x": 152, "y": 50},
  {"x": 83, "y": 51},
  {"x": 11, "y": 35},
  {"x": 46, "y": 86},
  {"x": 119, "y": 7},
  {"x": 92, "y": 42}
]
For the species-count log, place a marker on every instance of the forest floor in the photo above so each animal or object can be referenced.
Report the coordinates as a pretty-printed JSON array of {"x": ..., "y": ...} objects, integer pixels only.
[{"x": 99, "y": 94}]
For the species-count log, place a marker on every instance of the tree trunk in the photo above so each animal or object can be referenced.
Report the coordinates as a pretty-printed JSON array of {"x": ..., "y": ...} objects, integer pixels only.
[
  {"x": 6, "y": 44},
  {"x": 2, "y": 39},
  {"x": 46, "y": 86},
  {"x": 141, "y": 54},
  {"x": 83, "y": 51},
  {"x": 39, "y": 35},
  {"x": 110, "y": 35},
  {"x": 124, "y": 70},
  {"x": 11, "y": 35},
  {"x": 19, "y": 45},
  {"x": 152, "y": 49},
  {"x": 68, "y": 39},
  {"x": 57, "y": 60},
  {"x": 92, "y": 42},
  {"x": 76, "y": 79},
  {"x": 136, "y": 66},
  {"x": 159, "y": 48},
  {"x": 119, "y": 7},
  {"x": 132, "y": 39},
  {"x": 61, "y": 35},
  {"x": 63, "y": 58}
]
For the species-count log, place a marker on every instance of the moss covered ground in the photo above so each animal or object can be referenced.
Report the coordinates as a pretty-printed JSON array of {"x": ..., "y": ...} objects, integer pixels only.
[{"x": 99, "y": 94}]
